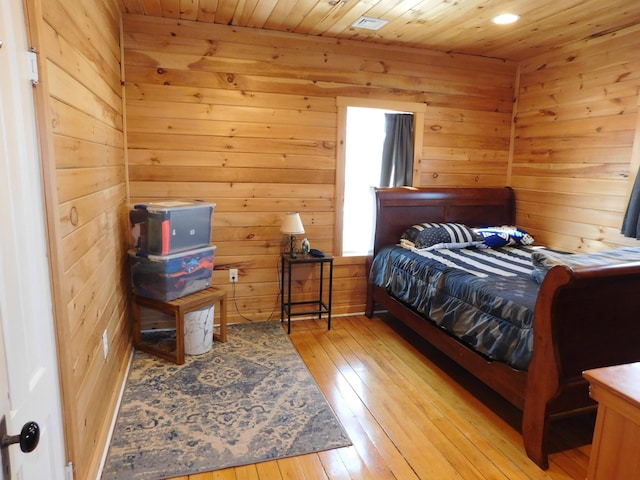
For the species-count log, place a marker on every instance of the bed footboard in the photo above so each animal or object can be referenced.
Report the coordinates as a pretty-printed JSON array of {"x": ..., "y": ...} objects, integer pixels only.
[{"x": 585, "y": 318}]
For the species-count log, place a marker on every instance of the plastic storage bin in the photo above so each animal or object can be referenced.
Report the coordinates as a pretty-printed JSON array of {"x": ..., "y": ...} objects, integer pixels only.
[
  {"x": 164, "y": 228},
  {"x": 167, "y": 277}
]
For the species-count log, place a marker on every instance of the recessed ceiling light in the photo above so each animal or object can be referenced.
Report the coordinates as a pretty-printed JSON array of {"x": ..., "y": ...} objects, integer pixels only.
[
  {"x": 369, "y": 23},
  {"x": 505, "y": 18}
]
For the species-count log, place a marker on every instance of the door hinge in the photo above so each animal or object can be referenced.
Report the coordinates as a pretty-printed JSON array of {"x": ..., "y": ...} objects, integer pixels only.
[
  {"x": 32, "y": 66},
  {"x": 68, "y": 471}
]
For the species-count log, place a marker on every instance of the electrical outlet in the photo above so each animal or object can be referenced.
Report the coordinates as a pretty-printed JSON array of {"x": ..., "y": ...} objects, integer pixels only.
[
  {"x": 105, "y": 344},
  {"x": 233, "y": 275}
]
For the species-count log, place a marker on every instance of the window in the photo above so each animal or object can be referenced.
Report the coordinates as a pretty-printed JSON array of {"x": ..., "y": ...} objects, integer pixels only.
[
  {"x": 363, "y": 162},
  {"x": 361, "y": 133}
]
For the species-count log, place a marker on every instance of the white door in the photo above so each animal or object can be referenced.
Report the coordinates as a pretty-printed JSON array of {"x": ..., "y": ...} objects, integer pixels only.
[
  {"x": 28, "y": 370},
  {"x": 4, "y": 400}
]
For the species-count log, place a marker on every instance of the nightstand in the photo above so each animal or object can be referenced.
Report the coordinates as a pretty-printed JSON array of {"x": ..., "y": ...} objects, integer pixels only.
[
  {"x": 310, "y": 307},
  {"x": 614, "y": 453}
]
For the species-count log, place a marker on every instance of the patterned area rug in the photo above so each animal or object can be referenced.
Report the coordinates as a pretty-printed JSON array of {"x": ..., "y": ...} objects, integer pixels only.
[{"x": 248, "y": 400}]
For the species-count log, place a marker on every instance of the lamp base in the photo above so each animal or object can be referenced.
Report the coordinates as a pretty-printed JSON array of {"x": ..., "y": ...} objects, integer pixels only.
[{"x": 292, "y": 253}]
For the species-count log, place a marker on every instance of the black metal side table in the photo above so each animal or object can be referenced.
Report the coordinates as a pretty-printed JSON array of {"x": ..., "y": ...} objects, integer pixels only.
[{"x": 311, "y": 307}]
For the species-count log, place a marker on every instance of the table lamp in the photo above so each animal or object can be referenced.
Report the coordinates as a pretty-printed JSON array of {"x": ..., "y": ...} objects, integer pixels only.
[{"x": 292, "y": 225}]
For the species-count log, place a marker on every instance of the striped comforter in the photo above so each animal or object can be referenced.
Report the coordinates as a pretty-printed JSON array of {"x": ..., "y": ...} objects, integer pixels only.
[{"x": 484, "y": 297}]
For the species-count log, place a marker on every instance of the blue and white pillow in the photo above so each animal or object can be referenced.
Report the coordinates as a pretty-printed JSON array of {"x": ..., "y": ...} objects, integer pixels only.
[{"x": 496, "y": 237}]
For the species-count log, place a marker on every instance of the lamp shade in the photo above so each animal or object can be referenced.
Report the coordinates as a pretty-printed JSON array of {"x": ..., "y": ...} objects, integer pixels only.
[{"x": 292, "y": 224}]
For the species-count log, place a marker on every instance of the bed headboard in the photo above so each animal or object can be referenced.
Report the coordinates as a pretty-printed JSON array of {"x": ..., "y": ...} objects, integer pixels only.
[{"x": 400, "y": 207}]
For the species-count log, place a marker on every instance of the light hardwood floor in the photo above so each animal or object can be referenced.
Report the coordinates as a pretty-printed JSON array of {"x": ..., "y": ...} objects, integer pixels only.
[{"x": 411, "y": 414}]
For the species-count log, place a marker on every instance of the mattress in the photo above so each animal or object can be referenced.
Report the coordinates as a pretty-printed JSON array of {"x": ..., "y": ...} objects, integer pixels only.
[{"x": 484, "y": 297}]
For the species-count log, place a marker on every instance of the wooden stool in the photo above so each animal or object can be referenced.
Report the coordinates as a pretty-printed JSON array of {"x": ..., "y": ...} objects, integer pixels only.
[{"x": 178, "y": 308}]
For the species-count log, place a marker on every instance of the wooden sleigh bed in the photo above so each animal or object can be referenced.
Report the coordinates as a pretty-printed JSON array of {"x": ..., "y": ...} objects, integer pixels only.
[{"x": 584, "y": 317}]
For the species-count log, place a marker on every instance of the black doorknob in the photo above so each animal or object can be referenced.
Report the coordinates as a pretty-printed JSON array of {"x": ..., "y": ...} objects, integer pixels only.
[{"x": 28, "y": 438}]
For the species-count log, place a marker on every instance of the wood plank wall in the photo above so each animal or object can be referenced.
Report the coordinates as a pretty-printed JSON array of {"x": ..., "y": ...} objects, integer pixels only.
[
  {"x": 247, "y": 119},
  {"x": 82, "y": 136},
  {"x": 577, "y": 115}
]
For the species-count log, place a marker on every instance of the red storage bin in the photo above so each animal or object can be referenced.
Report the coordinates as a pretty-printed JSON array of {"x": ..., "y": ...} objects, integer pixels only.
[{"x": 167, "y": 227}]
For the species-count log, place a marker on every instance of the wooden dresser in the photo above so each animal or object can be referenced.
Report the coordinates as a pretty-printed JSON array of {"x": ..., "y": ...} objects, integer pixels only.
[{"x": 615, "y": 453}]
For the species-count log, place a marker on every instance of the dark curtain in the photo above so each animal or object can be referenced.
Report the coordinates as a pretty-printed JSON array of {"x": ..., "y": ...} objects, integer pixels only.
[
  {"x": 397, "y": 152},
  {"x": 631, "y": 222}
]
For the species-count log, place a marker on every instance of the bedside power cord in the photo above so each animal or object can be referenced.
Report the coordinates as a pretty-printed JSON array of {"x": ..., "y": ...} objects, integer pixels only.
[{"x": 235, "y": 303}]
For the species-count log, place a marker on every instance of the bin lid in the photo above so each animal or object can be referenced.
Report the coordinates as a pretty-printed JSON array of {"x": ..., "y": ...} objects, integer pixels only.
[
  {"x": 164, "y": 258},
  {"x": 168, "y": 205}
]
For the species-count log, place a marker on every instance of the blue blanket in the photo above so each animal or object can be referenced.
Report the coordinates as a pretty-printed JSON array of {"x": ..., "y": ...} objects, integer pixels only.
[{"x": 484, "y": 297}]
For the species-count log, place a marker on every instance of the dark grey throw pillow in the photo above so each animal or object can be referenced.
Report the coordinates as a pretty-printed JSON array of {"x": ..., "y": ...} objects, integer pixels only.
[{"x": 425, "y": 235}]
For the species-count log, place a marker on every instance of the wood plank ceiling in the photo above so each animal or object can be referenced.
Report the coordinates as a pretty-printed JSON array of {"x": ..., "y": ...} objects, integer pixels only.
[{"x": 462, "y": 26}]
